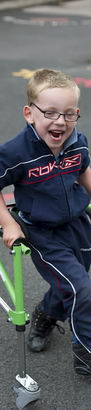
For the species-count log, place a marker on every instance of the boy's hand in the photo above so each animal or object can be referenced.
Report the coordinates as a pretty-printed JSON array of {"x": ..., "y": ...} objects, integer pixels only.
[{"x": 11, "y": 232}]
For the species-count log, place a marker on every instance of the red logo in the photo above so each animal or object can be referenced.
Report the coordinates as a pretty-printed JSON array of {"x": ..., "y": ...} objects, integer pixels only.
[
  {"x": 70, "y": 161},
  {"x": 66, "y": 163}
]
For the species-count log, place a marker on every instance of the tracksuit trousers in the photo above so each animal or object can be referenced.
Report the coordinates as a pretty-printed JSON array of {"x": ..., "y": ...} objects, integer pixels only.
[{"x": 62, "y": 255}]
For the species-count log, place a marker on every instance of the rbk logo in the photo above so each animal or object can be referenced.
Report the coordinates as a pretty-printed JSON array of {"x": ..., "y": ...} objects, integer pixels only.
[
  {"x": 66, "y": 163},
  {"x": 71, "y": 161}
]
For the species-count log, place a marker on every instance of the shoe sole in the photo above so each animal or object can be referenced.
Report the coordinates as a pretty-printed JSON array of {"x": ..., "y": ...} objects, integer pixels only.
[{"x": 39, "y": 349}]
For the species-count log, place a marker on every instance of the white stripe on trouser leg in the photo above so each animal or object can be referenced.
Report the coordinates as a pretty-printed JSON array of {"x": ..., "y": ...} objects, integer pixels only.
[{"x": 74, "y": 292}]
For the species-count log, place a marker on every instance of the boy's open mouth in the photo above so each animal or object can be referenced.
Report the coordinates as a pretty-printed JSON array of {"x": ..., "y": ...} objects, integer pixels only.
[{"x": 57, "y": 134}]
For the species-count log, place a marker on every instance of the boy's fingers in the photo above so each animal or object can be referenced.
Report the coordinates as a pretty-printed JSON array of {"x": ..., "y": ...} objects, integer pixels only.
[{"x": 10, "y": 241}]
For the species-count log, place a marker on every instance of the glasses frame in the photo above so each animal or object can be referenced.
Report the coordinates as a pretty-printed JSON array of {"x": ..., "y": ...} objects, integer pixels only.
[{"x": 59, "y": 114}]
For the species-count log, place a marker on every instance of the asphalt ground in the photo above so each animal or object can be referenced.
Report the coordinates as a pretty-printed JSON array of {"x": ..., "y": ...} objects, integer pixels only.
[{"x": 29, "y": 41}]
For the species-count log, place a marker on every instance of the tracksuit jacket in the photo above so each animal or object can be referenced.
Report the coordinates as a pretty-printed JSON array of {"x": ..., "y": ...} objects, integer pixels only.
[
  {"x": 52, "y": 203},
  {"x": 46, "y": 184}
]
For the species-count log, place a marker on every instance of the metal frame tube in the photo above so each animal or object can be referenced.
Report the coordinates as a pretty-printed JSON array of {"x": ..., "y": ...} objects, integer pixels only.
[
  {"x": 7, "y": 282},
  {"x": 21, "y": 353},
  {"x": 20, "y": 312},
  {"x": 18, "y": 279},
  {"x": 4, "y": 305}
]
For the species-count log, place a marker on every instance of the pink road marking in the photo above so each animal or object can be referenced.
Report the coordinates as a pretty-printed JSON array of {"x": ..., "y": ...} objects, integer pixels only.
[{"x": 84, "y": 81}]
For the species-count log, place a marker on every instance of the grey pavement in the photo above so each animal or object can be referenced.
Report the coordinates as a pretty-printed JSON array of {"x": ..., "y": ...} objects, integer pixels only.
[{"x": 78, "y": 7}]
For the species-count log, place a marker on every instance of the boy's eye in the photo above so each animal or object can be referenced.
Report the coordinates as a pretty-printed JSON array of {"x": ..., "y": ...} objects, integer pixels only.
[
  {"x": 68, "y": 116},
  {"x": 71, "y": 115},
  {"x": 51, "y": 114}
]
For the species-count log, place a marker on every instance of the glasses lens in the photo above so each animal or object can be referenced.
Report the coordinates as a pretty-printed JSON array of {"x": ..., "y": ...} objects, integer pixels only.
[
  {"x": 71, "y": 117},
  {"x": 55, "y": 115},
  {"x": 51, "y": 115}
]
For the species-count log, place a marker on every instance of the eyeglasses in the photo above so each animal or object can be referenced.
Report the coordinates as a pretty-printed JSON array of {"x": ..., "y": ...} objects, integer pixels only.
[{"x": 52, "y": 115}]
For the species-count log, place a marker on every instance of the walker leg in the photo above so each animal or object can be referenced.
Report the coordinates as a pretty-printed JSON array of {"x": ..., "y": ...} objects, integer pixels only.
[
  {"x": 26, "y": 389},
  {"x": 25, "y": 396},
  {"x": 21, "y": 350}
]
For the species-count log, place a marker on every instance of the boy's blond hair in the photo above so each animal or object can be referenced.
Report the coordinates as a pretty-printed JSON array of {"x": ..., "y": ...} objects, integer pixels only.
[{"x": 47, "y": 78}]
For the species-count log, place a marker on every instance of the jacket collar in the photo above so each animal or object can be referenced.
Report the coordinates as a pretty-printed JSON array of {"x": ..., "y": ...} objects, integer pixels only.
[{"x": 71, "y": 140}]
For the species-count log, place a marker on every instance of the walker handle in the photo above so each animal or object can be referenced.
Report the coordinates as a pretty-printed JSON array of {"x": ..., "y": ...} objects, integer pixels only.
[{"x": 20, "y": 240}]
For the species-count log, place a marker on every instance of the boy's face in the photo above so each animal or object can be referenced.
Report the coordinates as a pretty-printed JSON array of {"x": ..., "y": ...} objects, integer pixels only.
[{"x": 53, "y": 131}]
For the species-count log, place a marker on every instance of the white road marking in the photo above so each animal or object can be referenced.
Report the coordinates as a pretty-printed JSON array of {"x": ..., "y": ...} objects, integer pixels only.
[{"x": 41, "y": 21}]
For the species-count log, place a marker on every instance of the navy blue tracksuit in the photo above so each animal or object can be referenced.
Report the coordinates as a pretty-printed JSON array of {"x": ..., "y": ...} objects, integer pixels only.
[{"x": 52, "y": 203}]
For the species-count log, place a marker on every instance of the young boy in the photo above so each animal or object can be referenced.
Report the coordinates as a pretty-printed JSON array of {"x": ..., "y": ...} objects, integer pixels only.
[{"x": 48, "y": 164}]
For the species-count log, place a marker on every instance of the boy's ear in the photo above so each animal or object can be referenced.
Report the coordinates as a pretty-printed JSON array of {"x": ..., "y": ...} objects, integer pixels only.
[
  {"x": 78, "y": 110},
  {"x": 27, "y": 113}
]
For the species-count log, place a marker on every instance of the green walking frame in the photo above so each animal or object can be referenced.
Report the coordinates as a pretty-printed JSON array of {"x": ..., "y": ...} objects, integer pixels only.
[{"x": 26, "y": 389}]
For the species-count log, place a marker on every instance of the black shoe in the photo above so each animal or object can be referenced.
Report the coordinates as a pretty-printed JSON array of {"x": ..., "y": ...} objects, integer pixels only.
[
  {"x": 41, "y": 328},
  {"x": 82, "y": 360}
]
